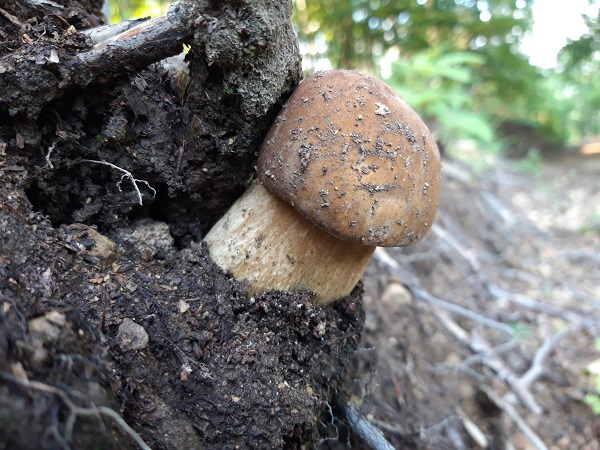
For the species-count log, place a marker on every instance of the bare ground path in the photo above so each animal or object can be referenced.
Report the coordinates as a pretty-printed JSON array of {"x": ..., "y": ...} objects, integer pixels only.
[{"x": 517, "y": 255}]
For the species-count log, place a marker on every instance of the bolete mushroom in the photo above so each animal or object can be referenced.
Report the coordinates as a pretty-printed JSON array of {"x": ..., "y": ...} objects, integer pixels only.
[{"x": 347, "y": 166}]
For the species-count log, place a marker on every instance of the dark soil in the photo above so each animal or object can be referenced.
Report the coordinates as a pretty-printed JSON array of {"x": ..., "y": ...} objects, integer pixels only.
[
  {"x": 109, "y": 303},
  {"x": 190, "y": 133},
  {"x": 202, "y": 366}
]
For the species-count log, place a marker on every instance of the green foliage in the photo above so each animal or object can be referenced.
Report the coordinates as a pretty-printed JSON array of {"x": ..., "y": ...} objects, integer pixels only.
[
  {"x": 118, "y": 10},
  {"x": 458, "y": 63},
  {"x": 591, "y": 224},
  {"x": 593, "y": 398},
  {"x": 522, "y": 331},
  {"x": 466, "y": 96},
  {"x": 579, "y": 73},
  {"x": 439, "y": 85},
  {"x": 355, "y": 33},
  {"x": 531, "y": 163}
]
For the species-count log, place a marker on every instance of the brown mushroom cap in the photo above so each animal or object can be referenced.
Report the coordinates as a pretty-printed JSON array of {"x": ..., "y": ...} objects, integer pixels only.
[{"x": 352, "y": 157}]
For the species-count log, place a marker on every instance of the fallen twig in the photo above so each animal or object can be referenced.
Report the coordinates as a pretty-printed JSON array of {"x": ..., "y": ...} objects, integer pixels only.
[
  {"x": 514, "y": 415},
  {"x": 415, "y": 288},
  {"x": 542, "y": 353},
  {"x": 450, "y": 427},
  {"x": 527, "y": 302},
  {"x": 138, "y": 47},
  {"x": 104, "y": 32},
  {"x": 506, "y": 374},
  {"x": 14, "y": 20},
  {"x": 452, "y": 326},
  {"x": 368, "y": 432},
  {"x": 495, "y": 291},
  {"x": 466, "y": 254},
  {"x": 493, "y": 351},
  {"x": 128, "y": 52}
]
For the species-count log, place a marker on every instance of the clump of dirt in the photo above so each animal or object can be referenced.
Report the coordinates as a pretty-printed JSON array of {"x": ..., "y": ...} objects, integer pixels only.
[
  {"x": 110, "y": 305},
  {"x": 159, "y": 335},
  {"x": 187, "y": 136}
]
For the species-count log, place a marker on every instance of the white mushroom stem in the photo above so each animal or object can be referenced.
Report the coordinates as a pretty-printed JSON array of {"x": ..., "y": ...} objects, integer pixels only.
[{"x": 266, "y": 241}]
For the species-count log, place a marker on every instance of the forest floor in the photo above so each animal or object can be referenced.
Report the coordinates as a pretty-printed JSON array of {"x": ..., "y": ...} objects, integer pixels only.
[
  {"x": 480, "y": 336},
  {"x": 119, "y": 332},
  {"x": 519, "y": 247}
]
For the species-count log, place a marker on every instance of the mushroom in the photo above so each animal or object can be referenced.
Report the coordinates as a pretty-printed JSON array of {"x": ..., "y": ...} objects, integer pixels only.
[{"x": 347, "y": 166}]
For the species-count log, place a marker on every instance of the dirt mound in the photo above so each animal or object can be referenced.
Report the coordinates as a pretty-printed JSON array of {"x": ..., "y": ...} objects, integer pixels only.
[{"x": 161, "y": 336}]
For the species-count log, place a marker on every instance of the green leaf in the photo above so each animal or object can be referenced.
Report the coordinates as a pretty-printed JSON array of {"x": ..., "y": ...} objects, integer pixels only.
[{"x": 468, "y": 124}]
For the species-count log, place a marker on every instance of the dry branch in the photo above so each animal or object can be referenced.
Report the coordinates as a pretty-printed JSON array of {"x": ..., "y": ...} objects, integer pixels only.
[
  {"x": 105, "y": 32},
  {"x": 136, "y": 48},
  {"x": 368, "y": 432},
  {"x": 514, "y": 415},
  {"x": 48, "y": 72},
  {"x": 542, "y": 353},
  {"x": 14, "y": 20},
  {"x": 489, "y": 355},
  {"x": 451, "y": 425},
  {"x": 415, "y": 288},
  {"x": 507, "y": 374}
]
